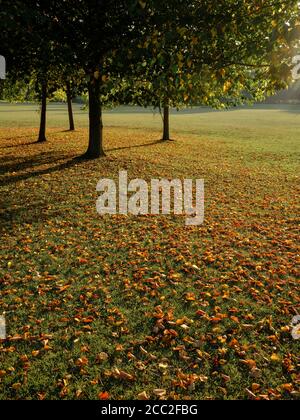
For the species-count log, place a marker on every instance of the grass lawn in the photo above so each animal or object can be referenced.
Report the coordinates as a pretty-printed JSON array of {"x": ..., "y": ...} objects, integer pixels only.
[{"x": 145, "y": 307}]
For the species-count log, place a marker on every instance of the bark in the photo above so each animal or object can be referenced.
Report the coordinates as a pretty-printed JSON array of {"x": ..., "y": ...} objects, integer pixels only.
[
  {"x": 70, "y": 107},
  {"x": 95, "y": 148},
  {"x": 42, "y": 134},
  {"x": 27, "y": 96},
  {"x": 166, "y": 131}
]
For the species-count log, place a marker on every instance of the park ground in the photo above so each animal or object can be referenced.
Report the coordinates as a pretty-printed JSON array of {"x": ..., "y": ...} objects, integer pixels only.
[{"x": 115, "y": 307}]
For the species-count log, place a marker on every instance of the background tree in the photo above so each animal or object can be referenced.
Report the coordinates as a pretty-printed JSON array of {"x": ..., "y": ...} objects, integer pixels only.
[
  {"x": 72, "y": 81},
  {"x": 30, "y": 46},
  {"x": 208, "y": 53}
]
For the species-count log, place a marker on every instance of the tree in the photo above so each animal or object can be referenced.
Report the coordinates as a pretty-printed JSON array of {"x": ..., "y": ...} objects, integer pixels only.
[
  {"x": 30, "y": 48},
  {"x": 92, "y": 32},
  {"x": 213, "y": 53},
  {"x": 72, "y": 81},
  {"x": 70, "y": 97},
  {"x": 169, "y": 54}
]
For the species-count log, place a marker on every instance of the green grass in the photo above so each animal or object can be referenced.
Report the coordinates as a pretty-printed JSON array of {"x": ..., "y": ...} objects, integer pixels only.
[
  {"x": 75, "y": 285},
  {"x": 267, "y": 127}
]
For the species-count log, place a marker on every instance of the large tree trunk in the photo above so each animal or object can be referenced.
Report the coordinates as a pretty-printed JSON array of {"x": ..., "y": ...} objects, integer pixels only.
[
  {"x": 70, "y": 108},
  {"x": 42, "y": 134},
  {"x": 166, "y": 132},
  {"x": 95, "y": 149}
]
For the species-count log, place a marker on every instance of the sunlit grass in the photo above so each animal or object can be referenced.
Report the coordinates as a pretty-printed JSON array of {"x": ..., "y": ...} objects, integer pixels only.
[{"x": 200, "y": 312}]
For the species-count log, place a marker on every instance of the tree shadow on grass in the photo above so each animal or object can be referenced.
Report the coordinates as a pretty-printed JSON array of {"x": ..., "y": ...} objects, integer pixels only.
[
  {"x": 17, "y": 164},
  {"x": 32, "y": 162},
  {"x": 24, "y": 213},
  {"x": 17, "y": 213},
  {"x": 29, "y": 143},
  {"x": 137, "y": 146},
  {"x": 14, "y": 213},
  {"x": 13, "y": 146}
]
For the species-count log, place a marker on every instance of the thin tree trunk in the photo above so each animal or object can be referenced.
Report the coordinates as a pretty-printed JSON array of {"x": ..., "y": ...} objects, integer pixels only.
[
  {"x": 166, "y": 133},
  {"x": 42, "y": 134},
  {"x": 27, "y": 93},
  {"x": 70, "y": 108},
  {"x": 1, "y": 88},
  {"x": 95, "y": 148}
]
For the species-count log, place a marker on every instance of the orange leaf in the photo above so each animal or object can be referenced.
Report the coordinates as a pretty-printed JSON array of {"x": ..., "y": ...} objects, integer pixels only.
[{"x": 103, "y": 396}]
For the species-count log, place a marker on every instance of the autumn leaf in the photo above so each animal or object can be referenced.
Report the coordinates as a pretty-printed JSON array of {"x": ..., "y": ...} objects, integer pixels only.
[
  {"x": 82, "y": 361},
  {"x": 275, "y": 358},
  {"x": 160, "y": 393},
  {"x": 104, "y": 396},
  {"x": 143, "y": 396}
]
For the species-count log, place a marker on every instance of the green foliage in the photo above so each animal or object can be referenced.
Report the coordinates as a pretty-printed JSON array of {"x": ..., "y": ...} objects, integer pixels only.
[
  {"x": 154, "y": 53},
  {"x": 59, "y": 96},
  {"x": 19, "y": 90},
  {"x": 212, "y": 53}
]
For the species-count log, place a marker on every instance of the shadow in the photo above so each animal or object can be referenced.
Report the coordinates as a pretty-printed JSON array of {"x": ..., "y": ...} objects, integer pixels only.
[
  {"x": 140, "y": 145},
  {"x": 19, "y": 137},
  {"x": 27, "y": 213},
  {"x": 30, "y": 163},
  {"x": 15, "y": 165},
  {"x": 48, "y": 158},
  {"x": 18, "y": 145},
  {"x": 12, "y": 146},
  {"x": 12, "y": 214}
]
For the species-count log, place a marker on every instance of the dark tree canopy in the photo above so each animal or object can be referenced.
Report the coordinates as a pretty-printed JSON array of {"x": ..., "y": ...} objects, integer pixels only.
[{"x": 151, "y": 52}]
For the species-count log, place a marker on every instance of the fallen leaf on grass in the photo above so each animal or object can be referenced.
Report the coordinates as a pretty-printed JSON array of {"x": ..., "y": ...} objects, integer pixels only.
[
  {"x": 103, "y": 396},
  {"x": 275, "y": 358},
  {"x": 160, "y": 392},
  {"x": 121, "y": 374},
  {"x": 143, "y": 396}
]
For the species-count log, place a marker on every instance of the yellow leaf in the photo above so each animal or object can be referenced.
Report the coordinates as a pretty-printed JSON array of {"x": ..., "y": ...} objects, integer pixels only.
[
  {"x": 255, "y": 387},
  {"x": 275, "y": 358},
  {"x": 160, "y": 392},
  {"x": 227, "y": 86},
  {"x": 222, "y": 72},
  {"x": 143, "y": 396},
  {"x": 190, "y": 297},
  {"x": 287, "y": 387}
]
